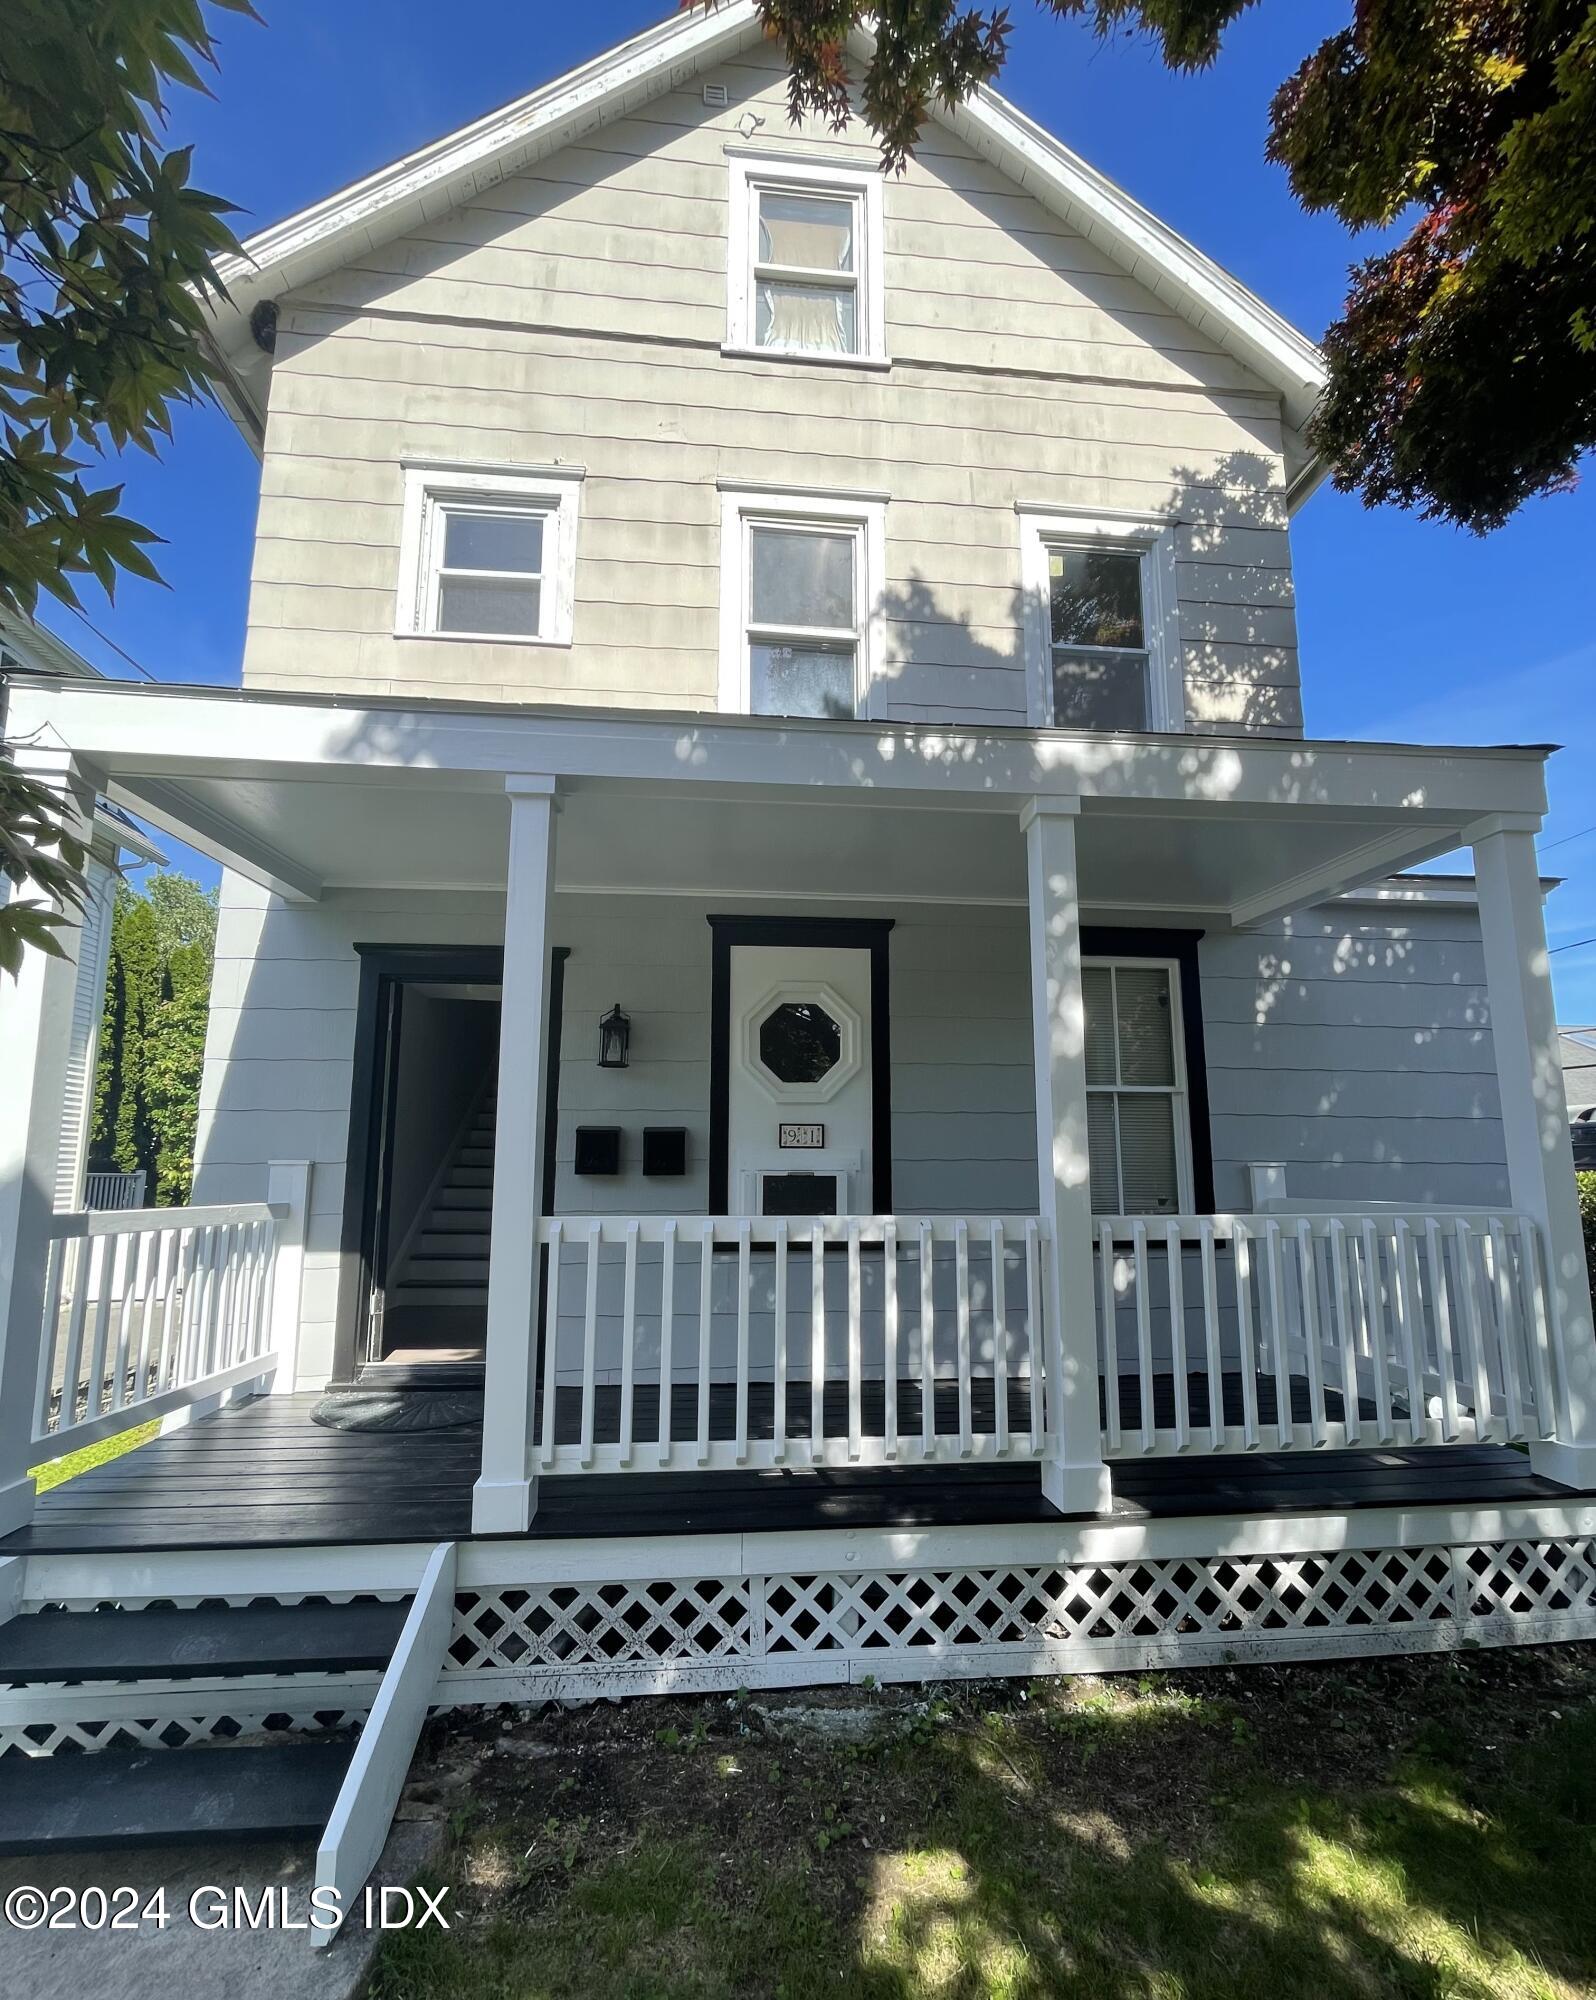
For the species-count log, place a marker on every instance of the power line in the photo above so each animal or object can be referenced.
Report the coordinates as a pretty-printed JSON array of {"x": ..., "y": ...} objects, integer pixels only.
[
  {"x": 1567, "y": 837},
  {"x": 1556, "y": 948},
  {"x": 137, "y": 665}
]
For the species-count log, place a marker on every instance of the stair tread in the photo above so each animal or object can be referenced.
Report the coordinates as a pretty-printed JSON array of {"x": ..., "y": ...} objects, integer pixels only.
[
  {"x": 178, "y": 1645},
  {"x": 147, "y": 1798}
]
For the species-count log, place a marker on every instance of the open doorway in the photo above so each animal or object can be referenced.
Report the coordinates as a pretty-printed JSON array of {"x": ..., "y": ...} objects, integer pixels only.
[
  {"x": 423, "y": 1139},
  {"x": 435, "y": 1197}
]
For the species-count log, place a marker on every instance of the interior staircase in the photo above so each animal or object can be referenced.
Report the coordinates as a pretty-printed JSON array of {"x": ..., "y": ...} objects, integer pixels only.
[{"x": 437, "y": 1295}]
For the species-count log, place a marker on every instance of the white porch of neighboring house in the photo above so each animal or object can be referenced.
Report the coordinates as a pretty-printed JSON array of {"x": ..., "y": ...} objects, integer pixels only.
[{"x": 955, "y": 1333}]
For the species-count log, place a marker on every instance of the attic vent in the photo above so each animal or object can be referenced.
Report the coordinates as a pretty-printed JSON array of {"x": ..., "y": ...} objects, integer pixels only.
[{"x": 715, "y": 96}]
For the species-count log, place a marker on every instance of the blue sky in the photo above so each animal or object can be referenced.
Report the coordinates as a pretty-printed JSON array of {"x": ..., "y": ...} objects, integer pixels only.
[{"x": 1409, "y": 630}]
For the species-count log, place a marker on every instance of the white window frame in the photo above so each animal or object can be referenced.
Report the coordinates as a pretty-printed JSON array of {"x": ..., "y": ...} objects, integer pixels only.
[
  {"x": 1178, "y": 1092},
  {"x": 742, "y": 509},
  {"x": 1150, "y": 536},
  {"x": 551, "y": 491},
  {"x": 751, "y": 174}
]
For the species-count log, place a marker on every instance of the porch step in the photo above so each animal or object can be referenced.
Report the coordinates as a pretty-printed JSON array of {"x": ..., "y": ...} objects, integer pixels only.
[
  {"x": 463, "y": 1200},
  {"x": 149, "y": 1798},
  {"x": 453, "y": 1374},
  {"x": 178, "y": 1645}
]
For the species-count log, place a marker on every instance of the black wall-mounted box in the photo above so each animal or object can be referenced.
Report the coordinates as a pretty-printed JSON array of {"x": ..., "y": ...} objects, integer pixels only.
[
  {"x": 598, "y": 1149},
  {"x": 665, "y": 1150}
]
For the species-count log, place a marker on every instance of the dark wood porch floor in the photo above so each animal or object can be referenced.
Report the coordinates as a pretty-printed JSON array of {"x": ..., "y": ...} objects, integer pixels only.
[{"x": 263, "y": 1475}]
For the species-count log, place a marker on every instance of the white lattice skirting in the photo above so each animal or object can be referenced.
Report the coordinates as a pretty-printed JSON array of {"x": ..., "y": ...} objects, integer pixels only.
[
  {"x": 559, "y": 1641},
  {"x": 591, "y": 1637}
]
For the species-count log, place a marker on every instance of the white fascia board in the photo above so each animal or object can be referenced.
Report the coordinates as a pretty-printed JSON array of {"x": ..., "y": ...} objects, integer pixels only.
[
  {"x": 438, "y": 177},
  {"x": 1155, "y": 255},
  {"x": 1421, "y": 793},
  {"x": 125, "y": 839},
  {"x": 39, "y": 649},
  {"x": 428, "y": 182}
]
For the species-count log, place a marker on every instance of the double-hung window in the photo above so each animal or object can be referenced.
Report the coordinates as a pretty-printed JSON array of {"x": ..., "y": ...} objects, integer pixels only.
[
  {"x": 1102, "y": 631},
  {"x": 488, "y": 554},
  {"x": 1138, "y": 1130},
  {"x": 798, "y": 581},
  {"x": 804, "y": 264}
]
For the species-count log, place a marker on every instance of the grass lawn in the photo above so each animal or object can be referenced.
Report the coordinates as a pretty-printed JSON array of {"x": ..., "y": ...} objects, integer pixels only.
[
  {"x": 1420, "y": 1827},
  {"x": 68, "y": 1467}
]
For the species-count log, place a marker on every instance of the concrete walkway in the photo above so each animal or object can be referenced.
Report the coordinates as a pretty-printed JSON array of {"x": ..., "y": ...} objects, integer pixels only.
[{"x": 184, "y": 1960}]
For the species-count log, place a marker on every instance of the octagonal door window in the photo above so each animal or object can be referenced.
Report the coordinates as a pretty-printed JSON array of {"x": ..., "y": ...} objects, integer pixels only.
[{"x": 800, "y": 1042}]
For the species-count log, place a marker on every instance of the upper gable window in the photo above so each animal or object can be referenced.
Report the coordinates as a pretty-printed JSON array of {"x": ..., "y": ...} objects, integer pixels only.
[
  {"x": 1101, "y": 632},
  {"x": 804, "y": 263},
  {"x": 488, "y": 554}
]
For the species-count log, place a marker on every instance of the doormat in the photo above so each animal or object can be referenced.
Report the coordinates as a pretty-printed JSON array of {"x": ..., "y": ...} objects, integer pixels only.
[{"x": 400, "y": 1410}]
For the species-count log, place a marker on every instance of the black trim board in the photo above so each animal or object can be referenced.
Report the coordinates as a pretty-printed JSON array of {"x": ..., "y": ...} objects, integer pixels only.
[
  {"x": 1110, "y": 941},
  {"x": 384, "y": 971},
  {"x": 837, "y": 933}
]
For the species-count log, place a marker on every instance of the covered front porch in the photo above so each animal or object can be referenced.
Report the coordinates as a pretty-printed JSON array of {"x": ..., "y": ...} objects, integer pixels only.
[{"x": 988, "y": 1318}]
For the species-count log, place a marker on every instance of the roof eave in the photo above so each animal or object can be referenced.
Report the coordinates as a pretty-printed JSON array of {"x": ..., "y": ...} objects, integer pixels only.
[{"x": 321, "y": 238}]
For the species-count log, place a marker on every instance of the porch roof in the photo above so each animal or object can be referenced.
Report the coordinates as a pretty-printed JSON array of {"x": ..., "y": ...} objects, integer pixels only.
[{"x": 305, "y": 794}]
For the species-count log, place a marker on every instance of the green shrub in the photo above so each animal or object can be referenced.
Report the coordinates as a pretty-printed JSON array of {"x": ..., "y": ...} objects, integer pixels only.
[{"x": 1587, "y": 1215}]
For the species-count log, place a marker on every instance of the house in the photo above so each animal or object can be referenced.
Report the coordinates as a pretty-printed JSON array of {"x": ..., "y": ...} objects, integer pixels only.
[
  {"x": 809, "y": 1070},
  {"x": 1577, "y": 1053}
]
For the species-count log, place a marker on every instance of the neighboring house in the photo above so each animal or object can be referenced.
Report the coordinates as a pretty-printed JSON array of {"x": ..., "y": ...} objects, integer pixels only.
[
  {"x": 115, "y": 843},
  {"x": 780, "y": 908},
  {"x": 1577, "y": 1049}
]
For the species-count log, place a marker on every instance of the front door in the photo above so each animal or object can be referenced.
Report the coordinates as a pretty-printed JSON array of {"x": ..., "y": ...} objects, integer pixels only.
[{"x": 800, "y": 1090}]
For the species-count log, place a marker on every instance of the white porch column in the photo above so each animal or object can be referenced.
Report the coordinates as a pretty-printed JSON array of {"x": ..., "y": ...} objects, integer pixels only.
[
  {"x": 35, "y": 1040},
  {"x": 1076, "y": 1480},
  {"x": 1540, "y": 1161},
  {"x": 505, "y": 1498},
  {"x": 288, "y": 1184}
]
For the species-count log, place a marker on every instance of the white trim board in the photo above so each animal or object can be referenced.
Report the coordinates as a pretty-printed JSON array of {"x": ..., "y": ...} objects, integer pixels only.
[
  {"x": 507, "y": 1561},
  {"x": 453, "y": 169}
]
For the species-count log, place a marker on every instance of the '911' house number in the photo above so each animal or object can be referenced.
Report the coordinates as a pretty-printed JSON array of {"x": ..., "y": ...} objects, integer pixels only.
[{"x": 801, "y": 1138}]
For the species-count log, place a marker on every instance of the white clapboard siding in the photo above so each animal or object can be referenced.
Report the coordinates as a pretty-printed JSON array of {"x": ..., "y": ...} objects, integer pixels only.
[
  {"x": 88, "y": 1005},
  {"x": 575, "y": 311}
]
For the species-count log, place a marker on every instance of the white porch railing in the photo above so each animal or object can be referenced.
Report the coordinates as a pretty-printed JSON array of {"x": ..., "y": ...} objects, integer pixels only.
[
  {"x": 114, "y": 1190},
  {"x": 693, "y": 1342},
  {"x": 690, "y": 1341},
  {"x": 148, "y": 1310},
  {"x": 1272, "y": 1332}
]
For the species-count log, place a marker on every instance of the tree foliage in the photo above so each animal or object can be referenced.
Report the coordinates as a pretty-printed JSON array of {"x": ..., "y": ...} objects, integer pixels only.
[
  {"x": 1462, "y": 373},
  {"x": 36, "y": 851},
  {"x": 106, "y": 255},
  {"x": 152, "y": 1034}
]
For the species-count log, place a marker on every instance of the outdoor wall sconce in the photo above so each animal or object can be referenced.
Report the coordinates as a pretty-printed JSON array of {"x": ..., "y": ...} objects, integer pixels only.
[{"x": 615, "y": 1034}]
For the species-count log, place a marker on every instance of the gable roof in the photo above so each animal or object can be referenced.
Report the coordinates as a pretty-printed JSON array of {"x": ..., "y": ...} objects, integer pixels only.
[{"x": 453, "y": 170}]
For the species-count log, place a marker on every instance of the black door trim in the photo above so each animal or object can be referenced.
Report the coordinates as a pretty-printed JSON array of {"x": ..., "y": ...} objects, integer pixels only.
[
  {"x": 385, "y": 970},
  {"x": 844, "y": 933},
  {"x": 1109, "y": 941}
]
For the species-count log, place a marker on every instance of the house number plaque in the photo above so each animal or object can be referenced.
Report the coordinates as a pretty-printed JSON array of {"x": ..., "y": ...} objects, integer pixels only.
[{"x": 801, "y": 1138}]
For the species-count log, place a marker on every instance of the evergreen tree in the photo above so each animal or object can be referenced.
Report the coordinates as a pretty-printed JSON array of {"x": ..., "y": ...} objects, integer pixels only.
[{"x": 152, "y": 1036}]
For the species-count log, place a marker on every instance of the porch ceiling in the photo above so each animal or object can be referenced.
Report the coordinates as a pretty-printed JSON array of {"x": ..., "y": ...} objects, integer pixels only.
[{"x": 306, "y": 796}]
